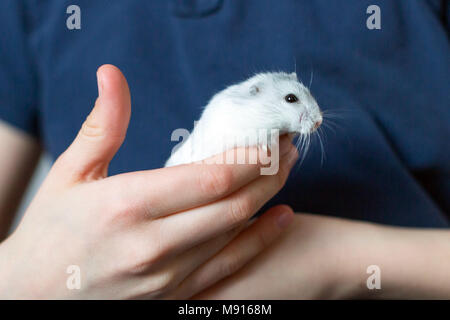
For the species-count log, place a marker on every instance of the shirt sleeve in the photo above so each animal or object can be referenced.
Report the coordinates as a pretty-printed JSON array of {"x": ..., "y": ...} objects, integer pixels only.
[{"x": 18, "y": 81}]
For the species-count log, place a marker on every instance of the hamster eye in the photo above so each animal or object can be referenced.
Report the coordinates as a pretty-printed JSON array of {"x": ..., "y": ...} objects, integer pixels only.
[{"x": 291, "y": 98}]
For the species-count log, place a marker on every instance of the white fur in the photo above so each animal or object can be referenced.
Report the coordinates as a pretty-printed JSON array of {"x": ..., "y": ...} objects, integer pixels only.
[{"x": 242, "y": 109}]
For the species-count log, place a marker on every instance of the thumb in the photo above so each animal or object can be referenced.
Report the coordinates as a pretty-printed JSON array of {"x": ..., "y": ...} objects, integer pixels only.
[{"x": 102, "y": 133}]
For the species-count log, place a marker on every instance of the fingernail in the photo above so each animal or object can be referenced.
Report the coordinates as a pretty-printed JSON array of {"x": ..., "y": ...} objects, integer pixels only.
[
  {"x": 285, "y": 219},
  {"x": 99, "y": 84}
]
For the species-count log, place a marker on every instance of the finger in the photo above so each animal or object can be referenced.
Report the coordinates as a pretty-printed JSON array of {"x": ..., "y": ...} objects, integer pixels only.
[
  {"x": 241, "y": 250},
  {"x": 160, "y": 192},
  {"x": 176, "y": 269},
  {"x": 102, "y": 133},
  {"x": 189, "y": 228}
]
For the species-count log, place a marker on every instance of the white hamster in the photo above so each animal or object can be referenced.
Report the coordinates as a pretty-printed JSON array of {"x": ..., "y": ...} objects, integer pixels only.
[{"x": 272, "y": 100}]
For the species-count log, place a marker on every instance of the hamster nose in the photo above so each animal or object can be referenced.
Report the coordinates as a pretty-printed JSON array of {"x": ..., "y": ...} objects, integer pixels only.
[{"x": 317, "y": 125}]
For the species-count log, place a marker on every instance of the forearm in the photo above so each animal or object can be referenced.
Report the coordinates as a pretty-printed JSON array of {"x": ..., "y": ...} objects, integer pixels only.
[
  {"x": 327, "y": 258},
  {"x": 413, "y": 263}
]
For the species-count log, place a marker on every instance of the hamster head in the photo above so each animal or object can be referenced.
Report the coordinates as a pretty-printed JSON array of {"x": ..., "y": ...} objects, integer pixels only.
[{"x": 275, "y": 100}]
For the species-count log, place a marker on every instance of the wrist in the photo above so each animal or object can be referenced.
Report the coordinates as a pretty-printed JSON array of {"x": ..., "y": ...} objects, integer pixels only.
[
  {"x": 360, "y": 246},
  {"x": 17, "y": 276},
  {"x": 415, "y": 264},
  {"x": 410, "y": 263},
  {"x": 334, "y": 255},
  {"x": 368, "y": 262}
]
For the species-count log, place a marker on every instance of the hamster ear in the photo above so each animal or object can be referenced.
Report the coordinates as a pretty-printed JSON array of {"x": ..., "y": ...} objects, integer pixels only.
[
  {"x": 255, "y": 89},
  {"x": 294, "y": 75}
]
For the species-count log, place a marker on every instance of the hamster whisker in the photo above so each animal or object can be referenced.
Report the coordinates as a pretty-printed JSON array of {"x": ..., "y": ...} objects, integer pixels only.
[
  {"x": 340, "y": 113},
  {"x": 322, "y": 156},
  {"x": 324, "y": 126},
  {"x": 295, "y": 65},
  {"x": 332, "y": 125},
  {"x": 300, "y": 143},
  {"x": 304, "y": 147},
  {"x": 328, "y": 126},
  {"x": 311, "y": 79},
  {"x": 323, "y": 133}
]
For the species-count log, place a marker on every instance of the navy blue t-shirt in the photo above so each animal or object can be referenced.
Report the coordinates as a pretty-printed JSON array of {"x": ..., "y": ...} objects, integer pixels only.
[{"x": 388, "y": 160}]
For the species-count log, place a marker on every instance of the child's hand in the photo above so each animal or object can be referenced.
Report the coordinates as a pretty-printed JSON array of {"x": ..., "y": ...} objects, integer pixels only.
[
  {"x": 140, "y": 234},
  {"x": 328, "y": 258}
]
